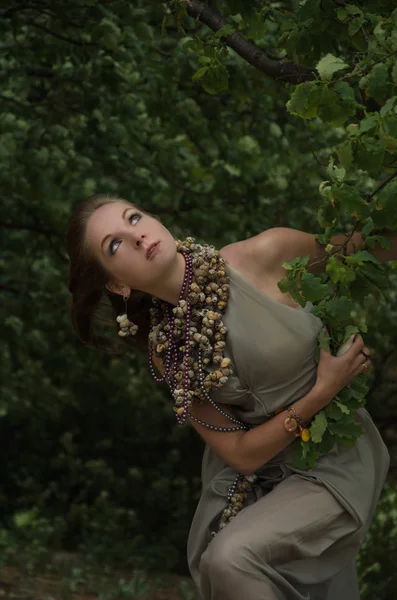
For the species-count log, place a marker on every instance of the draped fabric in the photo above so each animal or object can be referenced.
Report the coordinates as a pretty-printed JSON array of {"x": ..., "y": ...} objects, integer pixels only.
[{"x": 299, "y": 531}]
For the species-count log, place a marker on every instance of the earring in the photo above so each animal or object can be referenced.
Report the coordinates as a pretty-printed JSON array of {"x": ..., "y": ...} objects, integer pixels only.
[{"x": 127, "y": 327}]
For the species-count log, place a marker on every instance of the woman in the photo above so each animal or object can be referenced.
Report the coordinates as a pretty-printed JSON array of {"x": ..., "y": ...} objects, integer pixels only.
[{"x": 239, "y": 358}]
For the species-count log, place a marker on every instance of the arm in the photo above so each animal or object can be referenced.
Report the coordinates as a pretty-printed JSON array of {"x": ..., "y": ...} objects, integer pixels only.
[
  {"x": 246, "y": 451},
  {"x": 282, "y": 244}
]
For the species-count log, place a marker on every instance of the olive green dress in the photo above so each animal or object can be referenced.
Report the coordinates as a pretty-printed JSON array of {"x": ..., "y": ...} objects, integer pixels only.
[{"x": 299, "y": 532}]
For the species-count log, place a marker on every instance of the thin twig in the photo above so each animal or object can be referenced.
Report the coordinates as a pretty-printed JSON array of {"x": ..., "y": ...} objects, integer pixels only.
[{"x": 382, "y": 185}]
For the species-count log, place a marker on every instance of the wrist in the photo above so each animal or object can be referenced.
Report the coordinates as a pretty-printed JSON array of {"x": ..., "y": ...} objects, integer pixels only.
[
  {"x": 322, "y": 394},
  {"x": 310, "y": 404}
]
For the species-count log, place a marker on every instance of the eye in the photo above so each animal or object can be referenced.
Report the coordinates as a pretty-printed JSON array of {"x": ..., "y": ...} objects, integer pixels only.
[
  {"x": 134, "y": 217},
  {"x": 114, "y": 244}
]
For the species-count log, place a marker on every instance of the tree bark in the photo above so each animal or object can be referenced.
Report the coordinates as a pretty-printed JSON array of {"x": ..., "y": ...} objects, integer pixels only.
[{"x": 277, "y": 69}]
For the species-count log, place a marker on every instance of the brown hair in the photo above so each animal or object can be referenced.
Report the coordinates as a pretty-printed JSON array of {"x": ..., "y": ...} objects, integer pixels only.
[{"x": 91, "y": 300}]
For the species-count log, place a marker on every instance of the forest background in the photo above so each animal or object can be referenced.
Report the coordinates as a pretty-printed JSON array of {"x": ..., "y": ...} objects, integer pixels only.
[{"x": 224, "y": 119}]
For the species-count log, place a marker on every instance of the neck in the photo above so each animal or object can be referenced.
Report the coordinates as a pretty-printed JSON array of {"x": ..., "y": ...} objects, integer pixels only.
[{"x": 169, "y": 288}]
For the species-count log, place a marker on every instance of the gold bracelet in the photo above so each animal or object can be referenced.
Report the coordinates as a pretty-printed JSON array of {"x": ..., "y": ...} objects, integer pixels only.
[{"x": 296, "y": 425}]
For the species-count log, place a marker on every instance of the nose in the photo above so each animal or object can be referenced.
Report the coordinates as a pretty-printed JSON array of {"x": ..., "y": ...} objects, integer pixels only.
[{"x": 140, "y": 240}]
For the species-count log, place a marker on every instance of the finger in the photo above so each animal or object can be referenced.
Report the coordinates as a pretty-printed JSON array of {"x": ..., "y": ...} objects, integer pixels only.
[
  {"x": 324, "y": 352},
  {"x": 363, "y": 368},
  {"x": 361, "y": 360},
  {"x": 356, "y": 347},
  {"x": 358, "y": 341}
]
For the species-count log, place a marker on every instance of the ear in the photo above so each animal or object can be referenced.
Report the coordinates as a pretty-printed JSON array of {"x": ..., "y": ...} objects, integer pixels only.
[{"x": 116, "y": 288}]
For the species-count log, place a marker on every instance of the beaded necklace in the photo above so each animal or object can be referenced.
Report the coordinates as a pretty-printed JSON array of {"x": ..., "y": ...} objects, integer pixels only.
[{"x": 190, "y": 340}]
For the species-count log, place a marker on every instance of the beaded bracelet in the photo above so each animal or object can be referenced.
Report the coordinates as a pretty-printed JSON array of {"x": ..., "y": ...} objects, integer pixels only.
[{"x": 296, "y": 425}]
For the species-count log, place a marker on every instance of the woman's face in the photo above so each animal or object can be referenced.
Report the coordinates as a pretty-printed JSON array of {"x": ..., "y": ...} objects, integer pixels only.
[{"x": 120, "y": 237}]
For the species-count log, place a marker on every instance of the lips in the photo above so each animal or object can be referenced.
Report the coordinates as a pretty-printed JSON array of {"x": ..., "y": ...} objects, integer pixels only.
[{"x": 150, "y": 249}]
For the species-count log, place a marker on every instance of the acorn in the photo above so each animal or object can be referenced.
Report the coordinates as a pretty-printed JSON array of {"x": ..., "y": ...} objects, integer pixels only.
[
  {"x": 195, "y": 288},
  {"x": 215, "y": 316},
  {"x": 219, "y": 345}
]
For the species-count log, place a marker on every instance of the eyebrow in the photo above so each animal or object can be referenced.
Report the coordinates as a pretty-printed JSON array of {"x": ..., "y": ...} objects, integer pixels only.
[{"x": 110, "y": 235}]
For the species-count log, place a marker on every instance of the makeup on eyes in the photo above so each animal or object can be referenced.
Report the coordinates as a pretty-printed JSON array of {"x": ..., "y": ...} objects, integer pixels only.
[{"x": 134, "y": 215}]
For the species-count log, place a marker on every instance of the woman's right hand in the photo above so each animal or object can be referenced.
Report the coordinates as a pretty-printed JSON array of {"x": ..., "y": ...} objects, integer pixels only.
[{"x": 335, "y": 372}]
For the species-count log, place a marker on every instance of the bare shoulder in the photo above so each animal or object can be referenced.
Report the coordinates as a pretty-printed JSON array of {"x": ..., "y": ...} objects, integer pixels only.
[
  {"x": 258, "y": 254},
  {"x": 267, "y": 251}
]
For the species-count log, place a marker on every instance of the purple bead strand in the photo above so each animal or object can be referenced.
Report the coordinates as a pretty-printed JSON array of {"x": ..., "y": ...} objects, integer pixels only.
[
  {"x": 171, "y": 342},
  {"x": 183, "y": 418},
  {"x": 172, "y": 350}
]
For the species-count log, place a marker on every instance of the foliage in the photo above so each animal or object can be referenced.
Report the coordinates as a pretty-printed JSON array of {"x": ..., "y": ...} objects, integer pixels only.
[
  {"x": 355, "y": 89},
  {"x": 144, "y": 100},
  {"x": 375, "y": 563}
]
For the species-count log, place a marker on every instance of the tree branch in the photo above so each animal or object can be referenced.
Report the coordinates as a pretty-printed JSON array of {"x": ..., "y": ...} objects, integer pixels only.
[
  {"x": 382, "y": 185},
  {"x": 278, "y": 69}
]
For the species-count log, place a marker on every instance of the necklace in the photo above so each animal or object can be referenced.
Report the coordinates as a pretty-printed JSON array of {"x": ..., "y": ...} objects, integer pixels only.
[{"x": 190, "y": 340}]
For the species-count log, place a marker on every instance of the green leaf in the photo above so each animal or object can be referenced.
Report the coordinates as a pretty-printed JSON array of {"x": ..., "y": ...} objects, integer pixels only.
[
  {"x": 257, "y": 27},
  {"x": 199, "y": 74},
  {"x": 356, "y": 24},
  {"x": 216, "y": 79},
  {"x": 370, "y": 154},
  {"x": 327, "y": 443},
  {"x": 324, "y": 340},
  {"x": 25, "y": 518},
  {"x": 15, "y": 323},
  {"x": 329, "y": 65},
  {"x": 333, "y": 108},
  {"x": 388, "y": 106},
  {"x": 143, "y": 31},
  {"x": 333, "y": 410},
  {"x": 368, "y": 227},
  {"x": 224, "y": 31},
  {"x": 352, "y": 9},
  {"x": 370, "y": 122},
  {"x": 361, "y": 257},
  {"x": 382, "y": 240},
  {"x": 345, "y": 154},
  {"x": 394, "y": 72},
  {"x": 339, "y": 272},
  {"x": 312, "y": 287},
  {"x": 376, "y": 83},
  {"x": 305, "y": 456},
  {"x": 340, "y": 308},
  {"x": 349, "y": 330},
  {"x": 336, "y": 173},
  {"x": 304, "y": 100},
  {"x": 342, "y": 407},
  {"x": 346, "y": 427},
  {"x": 318, "y": 426},
  {"x": 248, "y": 145},
  {"x": 297, "y": 262},
  {"x": 350, "y": 199}
]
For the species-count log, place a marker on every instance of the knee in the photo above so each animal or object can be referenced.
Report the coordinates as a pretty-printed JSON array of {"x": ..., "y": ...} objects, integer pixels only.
[
  {"x": 217, "y": 563},
  {"x": 225, "y": 557}
]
